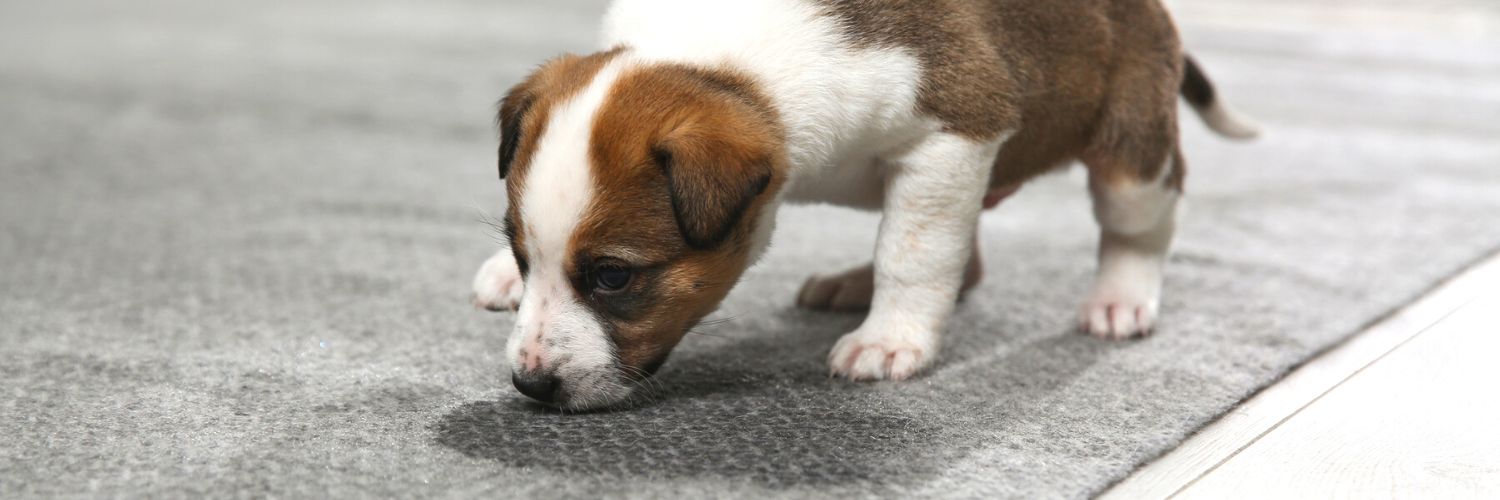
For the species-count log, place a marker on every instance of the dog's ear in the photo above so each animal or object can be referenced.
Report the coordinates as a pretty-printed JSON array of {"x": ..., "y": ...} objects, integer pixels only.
[
  {"x": 713, "y": 180},
  {"x": 512, "y": 115}
]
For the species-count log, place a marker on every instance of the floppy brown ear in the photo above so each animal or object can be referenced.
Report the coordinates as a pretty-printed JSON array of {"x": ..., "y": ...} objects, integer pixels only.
[
  {"x": 512, "y": 115},
  {"x": 713, "y": 181}
]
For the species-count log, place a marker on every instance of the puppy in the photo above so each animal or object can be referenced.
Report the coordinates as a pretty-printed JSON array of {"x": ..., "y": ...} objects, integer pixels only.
[{"x": 644, "y": 179}]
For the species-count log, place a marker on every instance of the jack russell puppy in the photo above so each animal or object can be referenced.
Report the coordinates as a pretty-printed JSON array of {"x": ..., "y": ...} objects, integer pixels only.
[{"x": 644, "y": 179}]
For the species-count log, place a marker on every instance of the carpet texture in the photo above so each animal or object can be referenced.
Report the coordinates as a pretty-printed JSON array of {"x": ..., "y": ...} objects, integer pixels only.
[{"x": 236, "y": 240}]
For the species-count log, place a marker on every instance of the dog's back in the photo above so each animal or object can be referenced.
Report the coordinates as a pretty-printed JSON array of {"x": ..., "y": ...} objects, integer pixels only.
[{"x": 1054, "y": 67}]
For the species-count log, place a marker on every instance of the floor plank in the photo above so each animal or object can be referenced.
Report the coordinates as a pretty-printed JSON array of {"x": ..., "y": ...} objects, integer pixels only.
[
  {"x": 1239, "y": 429},
  {"x": 1420, "y": 421}
]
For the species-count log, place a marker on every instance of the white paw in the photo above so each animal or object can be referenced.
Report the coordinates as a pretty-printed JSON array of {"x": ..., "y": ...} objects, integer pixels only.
[
  {"x": 867, "y": 354},
  {"x": 846, "y": 291},
  {"x": 498, "y": 285},
  {"x": 1119, "y": 316}
]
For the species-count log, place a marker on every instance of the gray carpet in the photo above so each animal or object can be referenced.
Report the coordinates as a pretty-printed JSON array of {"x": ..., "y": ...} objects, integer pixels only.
[{"x": 236, "y": 239}]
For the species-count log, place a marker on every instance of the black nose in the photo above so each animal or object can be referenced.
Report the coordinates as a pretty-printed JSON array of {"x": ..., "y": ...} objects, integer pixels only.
[{"x": 538, "y": 386}]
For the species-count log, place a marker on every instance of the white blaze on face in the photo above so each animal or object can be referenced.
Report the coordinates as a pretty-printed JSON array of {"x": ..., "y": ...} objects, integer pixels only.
[{"x": 556, "y": 332}]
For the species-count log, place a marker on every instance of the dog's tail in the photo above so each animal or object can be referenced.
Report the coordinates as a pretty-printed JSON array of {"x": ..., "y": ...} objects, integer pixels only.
[{"x": 1199, "y": 93}]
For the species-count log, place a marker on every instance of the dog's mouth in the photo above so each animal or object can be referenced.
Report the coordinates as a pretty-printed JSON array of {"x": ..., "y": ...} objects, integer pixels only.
[
  {"x": 588, "y": 391},
  {"x": 588, "y": 372}
]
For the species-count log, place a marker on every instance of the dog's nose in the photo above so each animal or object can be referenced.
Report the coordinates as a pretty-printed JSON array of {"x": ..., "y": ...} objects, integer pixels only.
[{"x": 538, "y": 386}]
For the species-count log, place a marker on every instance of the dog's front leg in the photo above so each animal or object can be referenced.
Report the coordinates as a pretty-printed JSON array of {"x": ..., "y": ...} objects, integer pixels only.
[
  {"x": 498, "y": 284},
  {"x": 932, "y": 202}
]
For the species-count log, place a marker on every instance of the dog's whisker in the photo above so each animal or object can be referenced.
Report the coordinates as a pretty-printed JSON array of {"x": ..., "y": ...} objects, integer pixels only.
[
  {"x": 645, "y": 382},
  {"x": 706, "y": 334},
  {"x": 718, "y": 321},
  {"x": 495, "y": 227},
  {"x": 647, "y": 392}
]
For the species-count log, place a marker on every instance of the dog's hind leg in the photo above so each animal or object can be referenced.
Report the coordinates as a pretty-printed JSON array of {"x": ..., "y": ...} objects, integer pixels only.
[
  {"x": 850, "y": 290},
  {"x": 1136, "y": 175},
  {"x": 1137, "y": 218}
]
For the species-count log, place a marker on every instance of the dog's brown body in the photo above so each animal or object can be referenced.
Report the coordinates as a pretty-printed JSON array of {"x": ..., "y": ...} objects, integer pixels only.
[{"x": 1076, "y": 79}]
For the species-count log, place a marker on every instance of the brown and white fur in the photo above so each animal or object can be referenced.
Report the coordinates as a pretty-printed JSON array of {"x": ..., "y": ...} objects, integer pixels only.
[{"x": 665, "y": 157}]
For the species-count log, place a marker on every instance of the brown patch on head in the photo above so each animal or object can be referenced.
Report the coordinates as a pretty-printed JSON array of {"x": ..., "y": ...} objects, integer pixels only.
[
  {"x": 525, "y": 108},
  {"x": 523, "y": 118},
  {"x": 683, "y": 159}
]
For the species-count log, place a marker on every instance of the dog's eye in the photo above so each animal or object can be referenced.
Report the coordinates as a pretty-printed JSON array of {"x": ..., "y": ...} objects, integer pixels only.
[{"x": 611, "y": 278}]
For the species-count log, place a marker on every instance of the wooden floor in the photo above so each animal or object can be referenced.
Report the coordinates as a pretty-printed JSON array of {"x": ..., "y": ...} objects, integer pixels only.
[{"x": 1409, "y": 408}]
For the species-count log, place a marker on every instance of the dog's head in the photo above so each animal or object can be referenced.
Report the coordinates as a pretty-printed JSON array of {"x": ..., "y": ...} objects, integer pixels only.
[{"x": 638, "y": 196}]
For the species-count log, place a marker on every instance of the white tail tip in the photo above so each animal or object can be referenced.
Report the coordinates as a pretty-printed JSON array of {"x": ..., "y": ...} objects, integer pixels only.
[{"x": 1228, "y": 122}]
